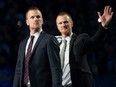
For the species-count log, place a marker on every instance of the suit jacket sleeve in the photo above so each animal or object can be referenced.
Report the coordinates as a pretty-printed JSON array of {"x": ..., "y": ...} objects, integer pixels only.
[
  {"x": 16, "y": 81},
  {"x": 54, "y": 59},
  {"x": 96, "y": 40},
  {"x": 19, "y": 66}
]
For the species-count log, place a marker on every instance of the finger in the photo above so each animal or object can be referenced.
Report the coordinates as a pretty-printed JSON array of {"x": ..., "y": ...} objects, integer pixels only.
[
  {"x": 105, "y": 9},
  {"x": 110, "y": 10},
  {"x": 99, "y": 14},
  {"x": 112, "y": 13}
]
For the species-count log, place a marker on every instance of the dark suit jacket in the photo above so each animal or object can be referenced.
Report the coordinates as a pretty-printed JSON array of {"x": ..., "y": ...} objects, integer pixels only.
[
  {"x": 79, "y": 47},
  {"x": 44, "y": 65}
]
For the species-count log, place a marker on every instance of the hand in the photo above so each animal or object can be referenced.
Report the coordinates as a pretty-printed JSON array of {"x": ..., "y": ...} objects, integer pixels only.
[{"x": 106, "y": 17}]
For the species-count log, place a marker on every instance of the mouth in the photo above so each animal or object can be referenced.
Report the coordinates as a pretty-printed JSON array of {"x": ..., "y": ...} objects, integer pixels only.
[
  {"x": 36, "y": 23},
  {"x": 64, "y": 28}
]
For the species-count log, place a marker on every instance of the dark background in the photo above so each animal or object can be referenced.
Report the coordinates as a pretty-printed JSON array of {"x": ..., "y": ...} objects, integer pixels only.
[{"x": 13, "y": 29}]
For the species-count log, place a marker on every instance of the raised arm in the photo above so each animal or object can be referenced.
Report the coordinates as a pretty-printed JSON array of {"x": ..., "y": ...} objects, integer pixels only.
[{"x": 106, "y": 17}]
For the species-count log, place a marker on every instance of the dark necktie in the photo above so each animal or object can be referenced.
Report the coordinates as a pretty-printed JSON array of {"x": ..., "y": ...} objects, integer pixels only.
[
  {"x": 62, "y": 55},
  {"x": 27, "y": 58}
]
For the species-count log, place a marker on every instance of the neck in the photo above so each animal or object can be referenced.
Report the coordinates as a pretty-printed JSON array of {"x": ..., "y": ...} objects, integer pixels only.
[
  {"x": 65, "y": 35},
  {"x": 33, "y": 31}
]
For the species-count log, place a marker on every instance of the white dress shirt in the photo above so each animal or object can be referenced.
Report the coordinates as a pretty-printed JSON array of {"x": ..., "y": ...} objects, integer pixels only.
[{"x": 66, "y": 61}]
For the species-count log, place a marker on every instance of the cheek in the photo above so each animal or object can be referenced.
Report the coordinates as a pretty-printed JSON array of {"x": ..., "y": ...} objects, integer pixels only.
[
  {"x": 59, "y": 28},
  {"x": 28, "y": 23}
]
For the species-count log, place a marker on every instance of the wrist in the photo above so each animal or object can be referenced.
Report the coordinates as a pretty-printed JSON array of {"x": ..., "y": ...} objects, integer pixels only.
[{"x": 105, "y": 27}]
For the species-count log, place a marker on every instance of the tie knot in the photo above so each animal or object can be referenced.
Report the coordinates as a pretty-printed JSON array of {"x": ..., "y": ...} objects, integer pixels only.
[
  {"x": 64, "y": 41},
  {"x": 32, "y": 37}
]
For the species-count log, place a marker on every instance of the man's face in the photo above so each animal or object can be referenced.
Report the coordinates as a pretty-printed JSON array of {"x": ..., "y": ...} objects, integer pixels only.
[
  {"x": 64, "y": 24},
  {"x": 34, "y": 20}
]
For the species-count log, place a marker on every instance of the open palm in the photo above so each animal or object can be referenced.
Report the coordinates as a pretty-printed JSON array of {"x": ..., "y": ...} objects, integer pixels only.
[{"x": 106, "y": 17}]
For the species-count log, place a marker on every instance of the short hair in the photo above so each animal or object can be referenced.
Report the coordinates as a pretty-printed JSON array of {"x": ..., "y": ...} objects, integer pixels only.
[
  {"x": 64, "y": 13},
  {"x": 32, "y": 8}
]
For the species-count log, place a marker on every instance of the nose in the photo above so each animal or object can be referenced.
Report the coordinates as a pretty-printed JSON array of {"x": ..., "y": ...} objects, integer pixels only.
[
  {"x": 36, "y": 18},
  {"x": 63, "y": 24}
]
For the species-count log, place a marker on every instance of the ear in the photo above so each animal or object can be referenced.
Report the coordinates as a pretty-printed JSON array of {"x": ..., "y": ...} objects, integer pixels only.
[
  {"x": 27, "y": 22},
  {"x": 72, "y": 23},
  {"x": 42, "y": 21}
]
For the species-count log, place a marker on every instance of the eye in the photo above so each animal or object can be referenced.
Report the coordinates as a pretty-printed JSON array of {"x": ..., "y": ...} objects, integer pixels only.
[
  {"x": 32, "y": 17},
  {"x": 38, "y": 16},
  {"x": 66, "y": 22},
  {"x": 60, "y": 22}
]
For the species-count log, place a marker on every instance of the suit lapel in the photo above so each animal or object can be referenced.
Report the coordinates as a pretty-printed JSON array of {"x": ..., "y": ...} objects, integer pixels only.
[
  {"x": 38, "y": 40},
  {"x": 71, "y": 48},
  {"x": 24, "y": 48},
  {"x": 71, "y": 42}
]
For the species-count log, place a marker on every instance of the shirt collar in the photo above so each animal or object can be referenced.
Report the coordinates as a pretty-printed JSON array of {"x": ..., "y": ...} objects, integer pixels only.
[
  {"x": 37, "y": 33},
  {"x": 68, "y": 37}
]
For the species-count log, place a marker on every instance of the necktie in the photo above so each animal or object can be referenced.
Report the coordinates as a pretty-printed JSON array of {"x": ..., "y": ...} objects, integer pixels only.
[
  {"x": 62, "y": 55},
  {"x": 28, "y": 55},
  {"x": 65, "y": 66}
]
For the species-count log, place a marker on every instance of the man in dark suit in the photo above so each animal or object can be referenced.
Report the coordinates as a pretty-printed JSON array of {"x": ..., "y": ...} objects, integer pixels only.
[
  {"x": 76, "y": 72},
  {"x": 43, "y": 66}
]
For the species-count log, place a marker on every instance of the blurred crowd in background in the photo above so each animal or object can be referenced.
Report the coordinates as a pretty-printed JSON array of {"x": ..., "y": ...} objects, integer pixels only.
[{"x": 13, "y": 29}]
